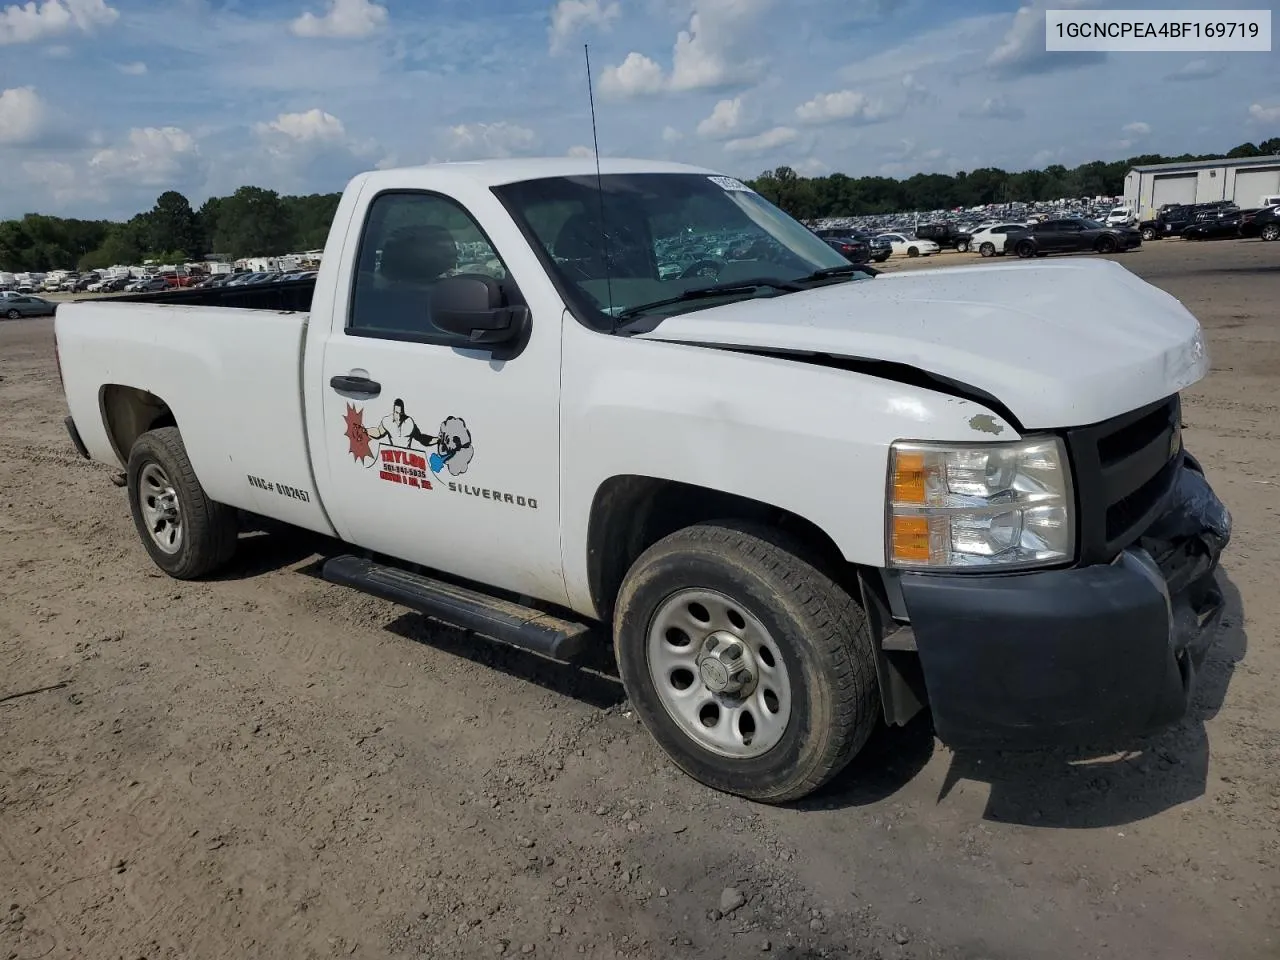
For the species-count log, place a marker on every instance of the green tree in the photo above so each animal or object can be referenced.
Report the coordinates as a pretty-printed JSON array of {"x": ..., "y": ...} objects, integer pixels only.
[
  {"x": 253, "y": 222},
  {"x": 173, "y": 226}
]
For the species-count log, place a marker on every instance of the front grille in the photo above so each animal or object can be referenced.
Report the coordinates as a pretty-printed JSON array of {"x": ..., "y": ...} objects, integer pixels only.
[{"x": 1124, "y": 469}]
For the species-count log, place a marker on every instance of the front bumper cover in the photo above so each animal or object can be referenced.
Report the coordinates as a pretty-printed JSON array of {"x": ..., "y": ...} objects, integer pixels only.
[{"x": 1076, "y": 655}]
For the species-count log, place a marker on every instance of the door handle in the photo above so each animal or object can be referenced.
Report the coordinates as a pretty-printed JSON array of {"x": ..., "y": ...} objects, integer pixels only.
[{"x": 361, "y": 385}]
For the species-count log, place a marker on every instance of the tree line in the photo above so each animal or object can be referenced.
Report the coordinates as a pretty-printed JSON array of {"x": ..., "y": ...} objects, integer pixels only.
[
  {"x": 253, "y": 222},
  {"x": 838, "y": 195}
]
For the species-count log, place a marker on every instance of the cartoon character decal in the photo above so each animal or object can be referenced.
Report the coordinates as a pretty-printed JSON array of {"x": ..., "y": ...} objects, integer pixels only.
[{"x": 405, "y": 454}]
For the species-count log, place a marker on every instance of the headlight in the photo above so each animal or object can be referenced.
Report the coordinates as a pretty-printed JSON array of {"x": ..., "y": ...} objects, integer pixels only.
[{"x": 991, "y": 505}]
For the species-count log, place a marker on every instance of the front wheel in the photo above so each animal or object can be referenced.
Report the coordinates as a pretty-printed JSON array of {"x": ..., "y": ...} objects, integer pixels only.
[
  {"x": 1148, "y": 233},
  {"x": 13, "y": 315},
  {"x": 988, "y": 249},
  {"x": 1106, "y": 245},
  {"x": 186, "y": 534},
  {"x": 913, "y": 251},
  {"x": 752, "y": 668},
  {"x": 962, "y": 246},
  {"x": 1270, "y": 232},
  {"x": 1026, "y": 250}
]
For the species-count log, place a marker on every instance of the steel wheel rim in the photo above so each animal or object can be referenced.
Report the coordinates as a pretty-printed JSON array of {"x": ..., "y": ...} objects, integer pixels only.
[
  {"x": 161, "y": 509},
  {"x": 750, "y": 717}
]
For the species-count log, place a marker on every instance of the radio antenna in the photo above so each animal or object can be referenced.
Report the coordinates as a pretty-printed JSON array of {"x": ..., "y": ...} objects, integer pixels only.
[{"x": 595, "y": 146}]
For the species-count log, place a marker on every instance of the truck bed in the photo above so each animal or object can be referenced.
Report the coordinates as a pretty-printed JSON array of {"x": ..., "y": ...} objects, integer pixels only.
[{"x": 288, "y": 295}]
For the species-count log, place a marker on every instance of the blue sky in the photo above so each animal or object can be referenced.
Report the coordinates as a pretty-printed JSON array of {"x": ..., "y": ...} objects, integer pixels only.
[{"x": 105, "y": 103}]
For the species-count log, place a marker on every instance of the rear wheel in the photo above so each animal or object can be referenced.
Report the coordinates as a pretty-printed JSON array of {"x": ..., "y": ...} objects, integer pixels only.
[
  {"x": 752, "y": 668},
  {"x": 186, "y": 534},
  {"x": 988, "y": 249},
  {"x": 1106, "y": 245},
  {"x": 13, "y": 315},
  {"x": 913, "y": 251},
  {"x": 963, "y": 246},
  {"x": 1270, "y": 231}
]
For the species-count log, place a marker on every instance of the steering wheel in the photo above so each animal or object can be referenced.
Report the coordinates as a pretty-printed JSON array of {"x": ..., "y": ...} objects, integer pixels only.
[{"x": 705, "y": 269}]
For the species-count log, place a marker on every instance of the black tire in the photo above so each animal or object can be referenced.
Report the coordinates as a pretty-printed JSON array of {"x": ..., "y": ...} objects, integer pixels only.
[
  {"x": 1106, "y": 245},
  {"x": 820, "y": 631},
  {"x": 988, "y": 249},
  {"x": 209, "y": 529},
  {"x": 1025, "y": 249},
  {"x": 962, "y": 246},
  {"x": 1270, "y": 231},
  {"x": 913, "y": 251},
  {"x": 13, "y": 315},
  {"x": 1148, "y": 233}
]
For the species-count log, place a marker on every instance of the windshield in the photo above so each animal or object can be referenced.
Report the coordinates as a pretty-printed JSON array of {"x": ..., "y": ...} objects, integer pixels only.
[
  {"x": 1093, "y": 225},
  {"x": 666, "y": 234}
]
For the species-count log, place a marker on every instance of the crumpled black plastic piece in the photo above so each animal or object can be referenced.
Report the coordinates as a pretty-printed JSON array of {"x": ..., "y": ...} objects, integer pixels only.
[{"x": 1194, "y": 511}]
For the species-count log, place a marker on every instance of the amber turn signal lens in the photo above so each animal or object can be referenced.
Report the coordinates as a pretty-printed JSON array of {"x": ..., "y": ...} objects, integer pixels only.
[
  {"x": 911, "y": 539},
  {"x": 908, "y": 477}
]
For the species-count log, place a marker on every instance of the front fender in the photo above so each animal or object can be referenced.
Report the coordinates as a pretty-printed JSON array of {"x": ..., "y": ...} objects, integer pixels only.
[{"x": 808, "y": 439}]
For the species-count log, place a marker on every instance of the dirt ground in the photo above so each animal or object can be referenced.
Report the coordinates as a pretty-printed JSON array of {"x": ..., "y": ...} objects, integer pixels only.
[{"x": 268, "y": 766}]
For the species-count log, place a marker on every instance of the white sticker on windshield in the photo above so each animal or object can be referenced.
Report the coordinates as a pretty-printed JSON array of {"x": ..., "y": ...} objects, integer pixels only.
[{"x": 728, "y": 183}]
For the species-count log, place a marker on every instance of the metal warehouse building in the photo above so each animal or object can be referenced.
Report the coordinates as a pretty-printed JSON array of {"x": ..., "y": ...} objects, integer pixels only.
[{"x": 1244, "y": 181}]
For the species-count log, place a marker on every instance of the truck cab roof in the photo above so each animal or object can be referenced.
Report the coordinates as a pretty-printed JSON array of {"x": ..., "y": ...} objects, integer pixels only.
[{"x": 493, "y": 173}]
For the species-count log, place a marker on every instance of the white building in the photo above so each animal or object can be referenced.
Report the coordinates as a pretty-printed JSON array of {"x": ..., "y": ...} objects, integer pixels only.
[{"x": 1244, "y": 181}]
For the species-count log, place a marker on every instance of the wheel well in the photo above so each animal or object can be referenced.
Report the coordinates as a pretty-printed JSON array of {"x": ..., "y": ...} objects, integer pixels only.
[
  {"x": 128, "y": 413},
  {"x": 631, "y": 513}
]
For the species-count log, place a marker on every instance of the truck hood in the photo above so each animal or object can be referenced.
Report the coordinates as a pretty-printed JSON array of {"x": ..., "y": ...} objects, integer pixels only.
[{"x": 1059, "y": 344}]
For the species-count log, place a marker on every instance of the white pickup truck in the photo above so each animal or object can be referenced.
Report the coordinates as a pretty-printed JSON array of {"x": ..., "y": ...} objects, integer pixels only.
[{"x": 555, "y": 406}]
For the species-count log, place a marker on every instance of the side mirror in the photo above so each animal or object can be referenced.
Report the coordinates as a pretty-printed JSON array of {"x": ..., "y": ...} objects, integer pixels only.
[{"x": 474, "y": 306}]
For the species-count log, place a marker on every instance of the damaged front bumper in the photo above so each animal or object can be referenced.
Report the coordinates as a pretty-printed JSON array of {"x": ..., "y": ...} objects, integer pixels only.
[{"x": 1076, "y": 655}]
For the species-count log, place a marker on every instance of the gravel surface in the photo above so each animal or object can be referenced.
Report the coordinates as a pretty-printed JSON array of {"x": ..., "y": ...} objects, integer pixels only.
[{"x": 265, "y": 765}]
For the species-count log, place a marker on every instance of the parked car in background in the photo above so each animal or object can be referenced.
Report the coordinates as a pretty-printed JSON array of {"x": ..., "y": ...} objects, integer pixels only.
[
  {"x": 852, "y": 249},
  {"x": 944, "y": 235},
  {"x": 1214, "y": 225},
  {"x": 989, "y": 241},
  {"x": 906, "y": 246},
  {"x": 17, "y": 307},
  {"x": 1072, "y": 236},
  {"x": 1120, "y": 217},
  {"x": 1265, "y": 224}
]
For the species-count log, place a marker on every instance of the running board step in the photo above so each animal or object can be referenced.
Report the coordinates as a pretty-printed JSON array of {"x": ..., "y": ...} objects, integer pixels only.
[{"x": 502, "y": 620}]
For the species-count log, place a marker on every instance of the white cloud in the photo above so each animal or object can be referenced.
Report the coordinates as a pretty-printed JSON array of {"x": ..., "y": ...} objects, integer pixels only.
[
  {"x": 570, "y": 16},
  {"x": 763, "y": 142},
  {"x": 916, "y": 91},
  {"x": 811, "y": 167},
  {"x": 843, "y": 105},
  {"x": 1260, "y": 114},
  {"x": 995, "y": 108},
  {"x": 1196, "y": 70},
  {"x": 313, "y": 126},
  {"x": 724, "y": 121},
  {"x": 22, "y": 115},
  {"x": 152, "y": 156},
  {"x": 1022, "y": 50},
  {"x": 637, "y": 75},
  {"x": 484, "y": 140},
  {"x": 1137, "y": 128},
  {"x": 706, "y": 55},
  {"x": 671, "y": 134},
  {"x": 135, "y": 69},
  {"x": 346, "y": 19},
  {"x": 40, "y": 19},
  {"x": 64, "y": 183},
  {"x": 579, "y": 151}
]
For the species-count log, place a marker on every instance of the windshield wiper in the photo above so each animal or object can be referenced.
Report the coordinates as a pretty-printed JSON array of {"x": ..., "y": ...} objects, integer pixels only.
[{"x": 715, "y": 290}]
